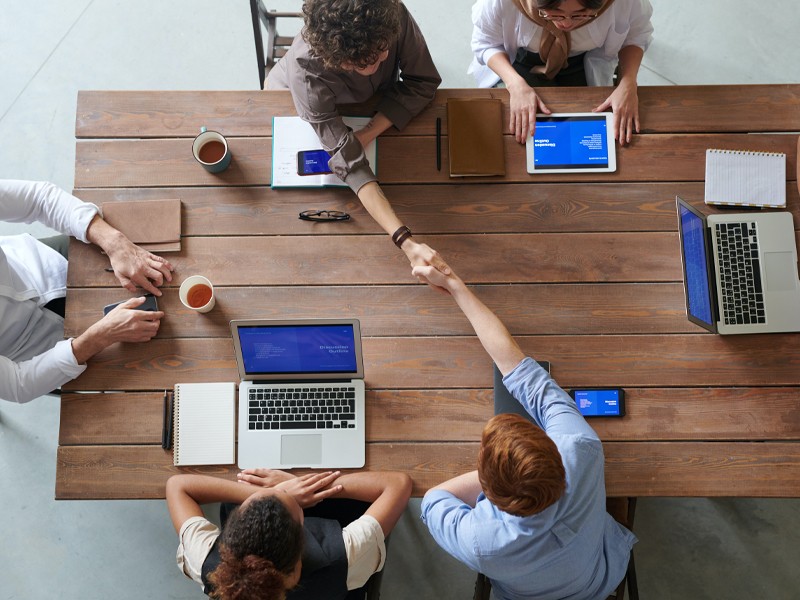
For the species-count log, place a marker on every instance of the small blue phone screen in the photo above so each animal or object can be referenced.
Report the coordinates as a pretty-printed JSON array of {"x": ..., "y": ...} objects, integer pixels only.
[
  {"x": 598, "y": 403},
  {"x": 313, "y": 162}
]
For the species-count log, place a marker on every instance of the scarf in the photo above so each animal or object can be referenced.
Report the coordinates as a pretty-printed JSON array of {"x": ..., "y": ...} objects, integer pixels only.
[{"x": 555, "y": 44}]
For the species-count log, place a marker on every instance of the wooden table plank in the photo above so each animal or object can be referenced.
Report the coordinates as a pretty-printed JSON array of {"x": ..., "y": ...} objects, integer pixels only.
[
  {"x": 663, "y": 109},
  {"x": 460, "y": 362},
  {"x": 339, "y": 260},
  {"x": 579, "y": 309},
  {"x": 632, "y": 468},
  {"x": 166, "y": 162},
  {"x": 654, "y": 414},
  {"x": 428, "y": 209}
]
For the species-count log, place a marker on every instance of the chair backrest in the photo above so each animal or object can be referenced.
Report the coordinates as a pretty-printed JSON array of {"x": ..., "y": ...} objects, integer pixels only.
[{"x": 275, "y": 46}]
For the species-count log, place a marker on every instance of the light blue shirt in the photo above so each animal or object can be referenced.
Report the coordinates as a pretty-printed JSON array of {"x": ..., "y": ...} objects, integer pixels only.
[{"x": 571, "y": 550}]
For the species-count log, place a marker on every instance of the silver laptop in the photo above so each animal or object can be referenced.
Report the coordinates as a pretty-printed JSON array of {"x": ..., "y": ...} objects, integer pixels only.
[
  {"x": 740, "y": 271},
  {"x": 301, "y": 395}
]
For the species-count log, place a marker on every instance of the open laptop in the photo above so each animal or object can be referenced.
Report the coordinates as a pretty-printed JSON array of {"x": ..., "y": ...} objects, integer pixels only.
[
  {"x": 301, "y": 395},
  {"x": 740, "y": 271}
]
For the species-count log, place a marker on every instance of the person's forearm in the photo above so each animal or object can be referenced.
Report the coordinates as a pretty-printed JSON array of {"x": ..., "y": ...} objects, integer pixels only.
[
  {"x": 185, "y": 494},
  {"x": 466, "y": 487},
  {"x": 104, "y": 235},
  {"x": 493, "y": 335},
  {"x": 500, "y": 64},
  {"x": 630, "y": 59},
  {"x": 387, "y": 491},
  {"x": 90, "y": 342},
  {"x": 378, "y": 207},
  {"x": 376, "y": 126}
]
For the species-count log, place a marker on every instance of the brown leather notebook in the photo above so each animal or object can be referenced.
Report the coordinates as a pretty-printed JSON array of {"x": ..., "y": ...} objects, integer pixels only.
[
  {"x": 475, "y": 137},
  {"x": 155, "y": 225}
]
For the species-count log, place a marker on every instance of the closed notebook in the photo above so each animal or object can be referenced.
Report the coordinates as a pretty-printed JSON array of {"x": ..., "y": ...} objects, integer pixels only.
[
  {"x": 204, "y": 424},
  {"x": 743, "y": 178},
  {"x": 155, "y": 225},
  {"x": 475, "y": 137}
]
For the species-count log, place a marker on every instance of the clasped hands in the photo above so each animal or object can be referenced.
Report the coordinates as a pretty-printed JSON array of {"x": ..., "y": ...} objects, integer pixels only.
[{"x": 308, "y": 490}]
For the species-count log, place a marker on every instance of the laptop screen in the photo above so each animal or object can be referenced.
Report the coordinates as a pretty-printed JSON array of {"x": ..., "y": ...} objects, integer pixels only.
[
  {"x": 299, "y": 349},
  {"x": 570, "y": 142},
  {"x": 695, "y": 266}
]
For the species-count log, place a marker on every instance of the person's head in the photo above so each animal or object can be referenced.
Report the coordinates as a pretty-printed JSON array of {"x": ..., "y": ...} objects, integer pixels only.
[
  {"x": 351, "y": 35},
  {"x": 260, "y": 549},
  {"x": 568, "y": 14},
  {"x": 519, "y": 467}
]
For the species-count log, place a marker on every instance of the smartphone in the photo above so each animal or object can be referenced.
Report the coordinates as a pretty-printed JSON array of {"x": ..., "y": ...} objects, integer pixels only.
[
  {"x": 148, "y": 304},
  {"x": 600, "y": 402},
  {"x": 312, "y": 162}
]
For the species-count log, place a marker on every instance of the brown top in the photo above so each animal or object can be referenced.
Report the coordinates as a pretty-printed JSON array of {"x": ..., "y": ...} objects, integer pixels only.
[{"x": 407, "y": 81}]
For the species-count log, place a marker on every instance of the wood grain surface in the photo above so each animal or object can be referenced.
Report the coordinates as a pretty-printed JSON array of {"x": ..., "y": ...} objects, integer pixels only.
[{"x": 583, "y": 269}]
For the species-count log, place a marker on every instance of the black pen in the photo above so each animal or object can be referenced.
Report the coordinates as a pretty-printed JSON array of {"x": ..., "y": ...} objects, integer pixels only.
[
  {"x": 170, "y": 411},
  {"x": 438, "y": 143},
  {"x": 164, "y": 440}
]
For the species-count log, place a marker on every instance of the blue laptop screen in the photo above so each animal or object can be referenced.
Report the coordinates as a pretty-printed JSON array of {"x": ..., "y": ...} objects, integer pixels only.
[
  {"x": 287, "y": 349},
  {"x": 570, "y": 142},
  {"x": 698, "y": 292}
]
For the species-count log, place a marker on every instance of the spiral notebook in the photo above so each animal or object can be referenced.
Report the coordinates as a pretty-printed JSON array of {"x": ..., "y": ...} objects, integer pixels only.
[
  {"x": 205, "y": 424},
  {"x": 743, "y": 178}
]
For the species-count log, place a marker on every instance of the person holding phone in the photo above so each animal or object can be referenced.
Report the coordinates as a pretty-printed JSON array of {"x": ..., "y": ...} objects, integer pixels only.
[
  {"x": 532, "y": 517},
  {"x": 272, "y": 545},
  {"x": 34, "y": 356},
  {"x": 347, "y": 52},
  {"x": 534, "y": 43}
]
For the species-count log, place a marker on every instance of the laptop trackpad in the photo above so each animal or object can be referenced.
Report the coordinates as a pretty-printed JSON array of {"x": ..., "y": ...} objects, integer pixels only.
[
  {"x": 301, "y": 449},
  {"x": 780, "y": 271}
]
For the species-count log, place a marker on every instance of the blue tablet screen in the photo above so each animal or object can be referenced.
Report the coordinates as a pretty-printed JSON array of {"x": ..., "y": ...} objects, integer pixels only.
[{"x": 570, "y": 142}]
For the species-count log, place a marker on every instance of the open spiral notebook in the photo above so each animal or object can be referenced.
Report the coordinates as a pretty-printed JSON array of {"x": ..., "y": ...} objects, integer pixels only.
[{"x": 744, "y": 178}]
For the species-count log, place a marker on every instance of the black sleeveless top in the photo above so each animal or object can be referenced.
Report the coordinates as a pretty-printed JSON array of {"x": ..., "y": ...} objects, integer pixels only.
[{"x": 324, "y": 573}]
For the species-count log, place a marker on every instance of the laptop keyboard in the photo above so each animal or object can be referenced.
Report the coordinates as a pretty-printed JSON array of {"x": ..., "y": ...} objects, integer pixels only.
[
  {"x": 329, "y": 407},
  {"x": 740, "y": 274}
]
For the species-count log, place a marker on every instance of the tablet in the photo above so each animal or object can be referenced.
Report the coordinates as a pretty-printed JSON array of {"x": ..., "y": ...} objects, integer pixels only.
[{"x": 572, "y": 143}]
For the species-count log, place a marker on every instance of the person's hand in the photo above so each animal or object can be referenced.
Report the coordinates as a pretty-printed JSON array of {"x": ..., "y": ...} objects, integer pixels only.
[
  {"x": 436, "y": 279},
  {"x": 134, "y": 266},
  {"x": 123, "y": 324},
  {"x": 524, "y": 104},
  {"x": 264, "y": 477},
  {"x": 422, "y": 255},
  {"x": 126, "y": 324},
  {"x": 624, "y": 102},
  {"x": 311, "y": 489}
]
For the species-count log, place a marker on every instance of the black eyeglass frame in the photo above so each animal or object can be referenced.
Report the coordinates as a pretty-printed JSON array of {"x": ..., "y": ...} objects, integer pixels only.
[{"x": 322, "y": 216}]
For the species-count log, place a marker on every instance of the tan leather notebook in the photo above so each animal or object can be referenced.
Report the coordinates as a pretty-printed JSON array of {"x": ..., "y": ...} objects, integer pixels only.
[
  {"x": 475, "y": 137},
  {"x": 155, "y": 225}
]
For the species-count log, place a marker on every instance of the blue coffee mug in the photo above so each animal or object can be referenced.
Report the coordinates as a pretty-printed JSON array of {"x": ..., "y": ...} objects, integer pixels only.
[{"x": 211, "y": 150}]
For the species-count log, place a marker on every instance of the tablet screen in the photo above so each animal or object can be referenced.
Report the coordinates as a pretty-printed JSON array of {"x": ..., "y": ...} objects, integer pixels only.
[{"x": 570, "y": 143}]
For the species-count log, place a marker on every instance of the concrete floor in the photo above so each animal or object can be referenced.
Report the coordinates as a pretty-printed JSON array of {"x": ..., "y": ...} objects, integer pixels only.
[{"x": 689, "y": 548}]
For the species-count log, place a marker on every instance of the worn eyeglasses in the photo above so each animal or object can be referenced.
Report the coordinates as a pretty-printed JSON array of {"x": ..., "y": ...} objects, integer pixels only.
[
  {"x": 324, "y": 215},
  {"x": 559, "y": 18}
]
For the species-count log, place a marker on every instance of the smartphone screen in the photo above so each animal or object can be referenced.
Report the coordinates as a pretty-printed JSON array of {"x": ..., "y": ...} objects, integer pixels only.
[
  {"x": 312, "y": 162},
  {"x": 599, "y": 402}
]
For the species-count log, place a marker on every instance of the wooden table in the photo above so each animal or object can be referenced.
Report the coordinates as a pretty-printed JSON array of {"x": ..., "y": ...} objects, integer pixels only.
[{"x": 584, "y": 270}]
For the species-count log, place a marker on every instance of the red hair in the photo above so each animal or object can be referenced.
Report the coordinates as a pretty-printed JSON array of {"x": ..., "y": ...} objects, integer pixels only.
[{"x": 519, "y": 467}]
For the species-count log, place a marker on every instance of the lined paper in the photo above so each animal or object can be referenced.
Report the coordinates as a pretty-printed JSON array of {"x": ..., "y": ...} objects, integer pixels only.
[
  {"x": 204, "y": 424},
  {"x": 743, "y": 178}
]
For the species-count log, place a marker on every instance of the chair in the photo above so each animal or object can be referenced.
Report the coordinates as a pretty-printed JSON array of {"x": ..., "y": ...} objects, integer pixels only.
[
  {"x": 623, "y": 510},
  {"x": 276, "y": 45}
]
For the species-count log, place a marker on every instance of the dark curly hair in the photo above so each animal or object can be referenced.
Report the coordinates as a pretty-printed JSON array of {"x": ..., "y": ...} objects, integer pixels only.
[
  {"x": 590, "y": 4},
  {"x": 259, "y": 548},
  {"x": 350, "y": 32}
]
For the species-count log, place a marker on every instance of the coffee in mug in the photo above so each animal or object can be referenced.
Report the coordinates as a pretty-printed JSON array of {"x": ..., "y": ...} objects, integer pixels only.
[
  {"x": 210, "y": 149},
  {"x": 197, "y": 294}
]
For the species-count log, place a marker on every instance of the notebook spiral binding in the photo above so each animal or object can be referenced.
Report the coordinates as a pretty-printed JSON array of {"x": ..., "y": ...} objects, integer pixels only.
[
  {"x": 176, "y": 410},
  {"x": 745, "y": 152}
]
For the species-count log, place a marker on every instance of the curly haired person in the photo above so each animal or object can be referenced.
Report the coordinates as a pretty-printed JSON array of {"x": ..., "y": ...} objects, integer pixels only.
[{"x": 347, "y": 52}]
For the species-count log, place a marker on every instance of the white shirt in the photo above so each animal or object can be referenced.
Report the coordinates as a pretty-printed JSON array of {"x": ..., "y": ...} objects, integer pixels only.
[
  {"x": 363, "y": 543},
  {"x": 34, "y": 356},
  {"x": 499, "y": 26}
]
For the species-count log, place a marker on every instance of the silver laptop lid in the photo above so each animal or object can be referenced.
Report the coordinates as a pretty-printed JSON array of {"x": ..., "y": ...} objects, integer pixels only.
[{"x": 298, "y": 349}]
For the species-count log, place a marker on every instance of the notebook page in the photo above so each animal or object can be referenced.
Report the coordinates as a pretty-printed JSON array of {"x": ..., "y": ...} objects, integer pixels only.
[
  {"x": 742, "y": 178},
  {"x": 205, "y": 424}
]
